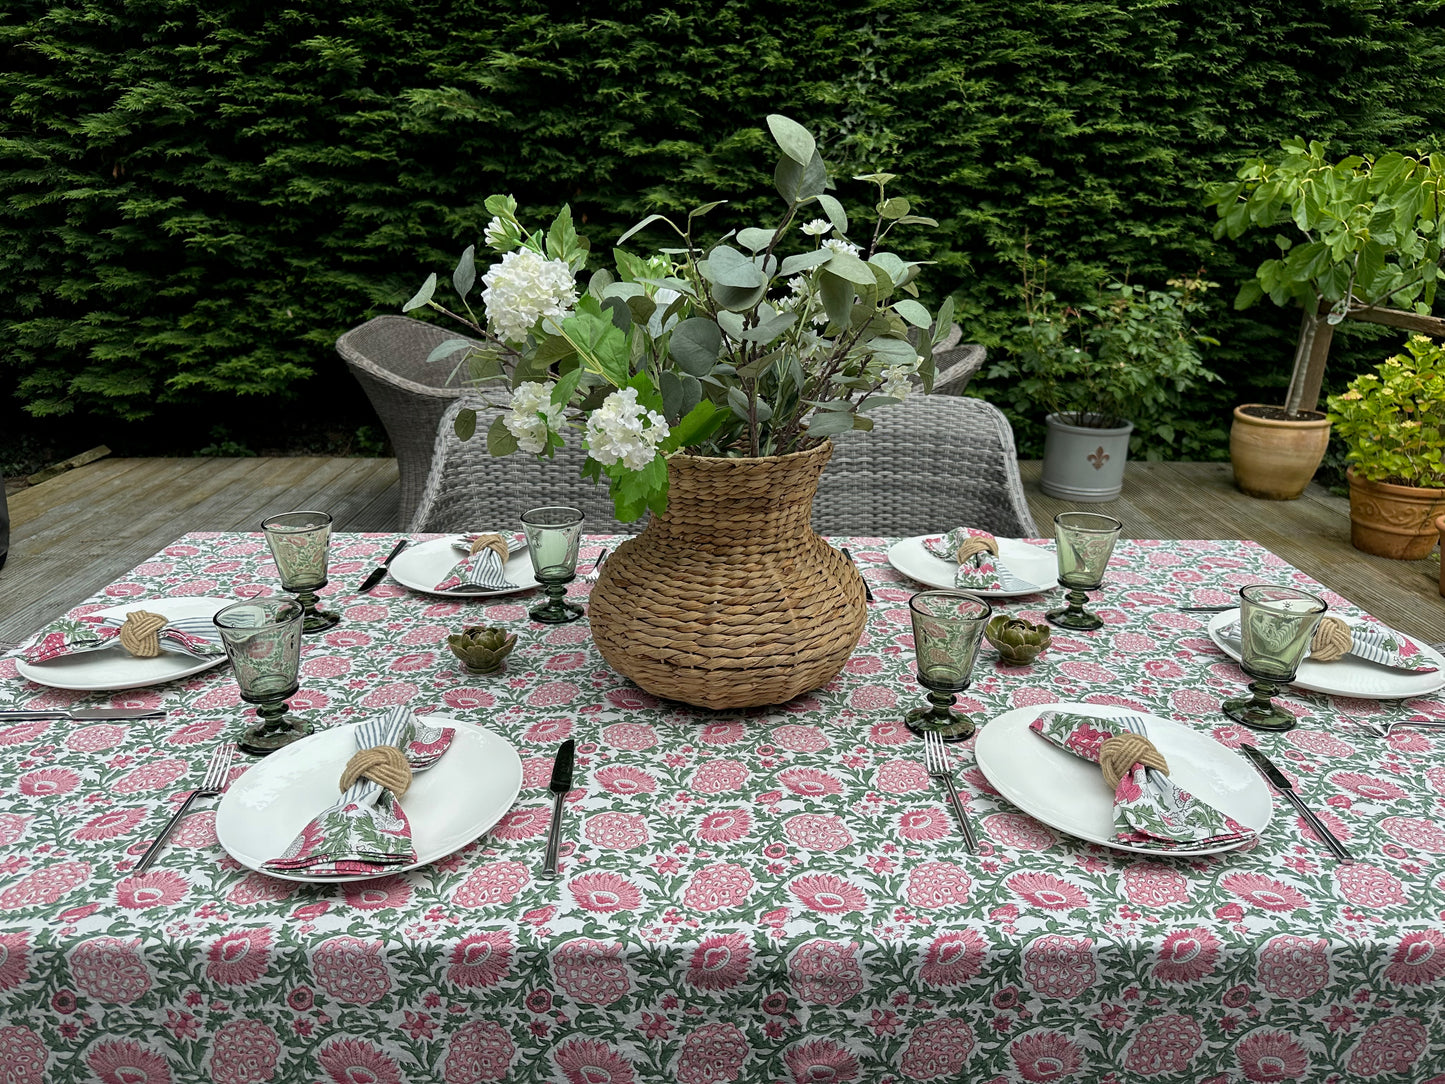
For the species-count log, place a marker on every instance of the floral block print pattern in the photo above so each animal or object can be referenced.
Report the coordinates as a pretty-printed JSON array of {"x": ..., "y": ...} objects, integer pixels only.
[
  {"x": 195, "y": 636},
  {"x": 978, "y": 572},
  {"x": 771, "y": 896}
]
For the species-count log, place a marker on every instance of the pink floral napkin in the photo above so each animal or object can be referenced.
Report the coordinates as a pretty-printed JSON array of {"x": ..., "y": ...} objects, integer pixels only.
[
  {"x": 480, "y": 571},
  {"x": 981, "y": 571},
  {"x": 195, "y": 636},
  {"x": 1149, "y": 810},
  {"x": 366, "y": 831}
]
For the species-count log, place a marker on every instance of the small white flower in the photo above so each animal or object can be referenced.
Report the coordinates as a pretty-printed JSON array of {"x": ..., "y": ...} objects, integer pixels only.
[
  {"x": 896, "y": 381},
  {"x": 533, "y": 416},
  {"x": 620, "y": 430},
  {"x": 523, "y": 288},
  {"x": 839, "y": 245},
  {"x": 495, "y": 233},
  {"x": 817, "y": 227}
]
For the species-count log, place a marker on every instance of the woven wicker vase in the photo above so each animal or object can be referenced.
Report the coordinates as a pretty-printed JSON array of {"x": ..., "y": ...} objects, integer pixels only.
[{"x": 729, "y": 599}]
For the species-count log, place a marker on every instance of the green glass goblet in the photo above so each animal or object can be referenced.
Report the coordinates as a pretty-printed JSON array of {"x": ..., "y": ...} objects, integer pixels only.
[
  {"x": 553, "y": 535},
  {"x": 1084, "y": 542},
  {"x": 262, "y": 637},
  {"x": 947, "y": 629},
  {"x": 1276, "y": 624},
  {"x": 299, "y": 542}
]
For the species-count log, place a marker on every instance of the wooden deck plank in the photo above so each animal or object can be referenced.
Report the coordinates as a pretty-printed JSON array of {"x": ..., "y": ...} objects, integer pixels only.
[{"x": 74, "y": 534}]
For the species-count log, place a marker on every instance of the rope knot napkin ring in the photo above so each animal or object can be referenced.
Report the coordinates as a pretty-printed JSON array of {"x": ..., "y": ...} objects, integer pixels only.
[
  {"x": 970, "y": 547},
  {"x": 1119, "y": 754},
  {"x": 141, "y": 633},
  {"x": 385, "y": 765},
  {"x": 494, "y": 542},
  {"x": 1332, "y": 640}
]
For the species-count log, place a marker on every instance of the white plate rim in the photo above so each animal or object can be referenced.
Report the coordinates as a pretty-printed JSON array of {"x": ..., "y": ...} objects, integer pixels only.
[
  {"x": 228, "y": 806},
  {"x": 909, "y": 557},
  {"x": 183, "y": 665},
  {"x": 1002, "y": 728},
  {"x": 407, "y": 557},
  {"x": 1315, "y": 676}
]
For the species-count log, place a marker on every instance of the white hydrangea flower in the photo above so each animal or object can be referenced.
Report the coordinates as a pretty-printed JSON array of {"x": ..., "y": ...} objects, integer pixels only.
[
  {"x": 533, "y": 416},
  {"x": 620, "y": 430},
  {"x": 495, "y": 233},
  {"x": 817, "y": 227},
  {"x": 523, "y": 288},
  {"x": 839, "y": 245}
]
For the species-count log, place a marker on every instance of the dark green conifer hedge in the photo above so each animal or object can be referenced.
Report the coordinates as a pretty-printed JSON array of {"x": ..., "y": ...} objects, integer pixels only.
[{"x": 196, "y": 199}]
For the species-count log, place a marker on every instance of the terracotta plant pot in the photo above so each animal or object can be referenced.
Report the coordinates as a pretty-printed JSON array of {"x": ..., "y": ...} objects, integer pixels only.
[
  {"x": 730, "y": 599},
  {"x": 1440, "y": 526},
  {"x": 1275, "y": 458},
  {"x": 1393, "y": 521}
]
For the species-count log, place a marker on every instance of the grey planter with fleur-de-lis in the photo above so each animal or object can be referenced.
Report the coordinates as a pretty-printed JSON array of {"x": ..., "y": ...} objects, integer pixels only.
[{"x": 1082, "y": 462}]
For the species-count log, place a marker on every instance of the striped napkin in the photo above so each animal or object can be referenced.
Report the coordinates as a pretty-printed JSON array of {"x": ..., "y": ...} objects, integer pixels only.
[
  {"x": 194, "y": 636},
  {"x": 1150, "y": 811},
  {"x": 366, "y": 830},
  {"x": 982, "y": 571},
  {"x": 1373, "y": 643},
  {"x": 480, "y": 571}
]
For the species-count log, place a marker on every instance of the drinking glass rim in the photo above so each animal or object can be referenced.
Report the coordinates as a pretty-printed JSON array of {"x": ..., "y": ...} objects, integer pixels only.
[
  {"x": 266, "y": 602},
  {"x": 1299, "y": 594},
  {"x": 272, "y": 523},
  {"x": 945, "y": 593},
  {"x": 1117, "y": 525},
  {"x": 563, "y": 515}
]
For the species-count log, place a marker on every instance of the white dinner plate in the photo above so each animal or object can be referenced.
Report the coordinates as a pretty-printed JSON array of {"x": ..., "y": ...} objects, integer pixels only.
[
  {"x": 1069, "y": 793},
  {"x": 1350, "y": 676},
  {"x": 423, "y": 566},
  {"x": 450, "y": 804},
  {"x": 1035, "y": 564},
  {"x": 116, "y": 668}
]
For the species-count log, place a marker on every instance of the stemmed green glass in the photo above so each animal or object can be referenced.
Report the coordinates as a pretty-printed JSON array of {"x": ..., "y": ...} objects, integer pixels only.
[
  {"x": 299, "y": 543},
  {"x": 1276, "y": 624},
  {"x": 1084, "y": 542},
  {"x": 553, "y": 535},
  {"x": 262, "y": 637},
  {"x": 947, "y": 629}
]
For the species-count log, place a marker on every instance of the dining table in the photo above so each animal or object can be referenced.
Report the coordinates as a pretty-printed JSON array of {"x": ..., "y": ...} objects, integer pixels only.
[{"x": 780, "y": 894}]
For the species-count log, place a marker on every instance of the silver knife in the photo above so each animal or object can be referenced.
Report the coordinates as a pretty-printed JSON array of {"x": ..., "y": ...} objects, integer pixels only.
[
  {"x": 377, "y": 573},
  {"x": 560, "y": 785},
  {"x": 83, "y": 715},
  {"x": 1285, "y": 787}
]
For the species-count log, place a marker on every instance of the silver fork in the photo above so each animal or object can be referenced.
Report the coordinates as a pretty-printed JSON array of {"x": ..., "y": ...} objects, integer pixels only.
[
  {"x": 1382, "y": 729},
  {"x": 596, "y": 567},
  {"x": 211, "y": 785},
  {"x": 935, "y": 759}
]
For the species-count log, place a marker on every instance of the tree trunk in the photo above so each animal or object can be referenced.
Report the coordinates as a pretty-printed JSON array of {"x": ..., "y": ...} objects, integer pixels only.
[{"x": 1310, "y": 355}]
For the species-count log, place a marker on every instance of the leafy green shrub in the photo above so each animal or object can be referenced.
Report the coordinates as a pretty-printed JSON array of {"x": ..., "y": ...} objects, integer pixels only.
[{"x": 1393, "y": 419}]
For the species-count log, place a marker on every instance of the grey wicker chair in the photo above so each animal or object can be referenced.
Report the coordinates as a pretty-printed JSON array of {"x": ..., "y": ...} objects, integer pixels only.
[
  {"x": 469, "y": 489},
  {"x": 930, "y": 463},
  {"x": 955, "y": 363},
  {"x": 387, "y": 355}
]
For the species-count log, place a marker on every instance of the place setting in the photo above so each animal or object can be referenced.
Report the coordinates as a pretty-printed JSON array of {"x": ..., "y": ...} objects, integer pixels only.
[{"x": 968, "y": 559}]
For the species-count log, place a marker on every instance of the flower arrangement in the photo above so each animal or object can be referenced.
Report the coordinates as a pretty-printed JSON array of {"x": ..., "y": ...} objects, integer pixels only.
[
  {"x": 763, "y": 342},
  {"x": 1393, "y": 419}
]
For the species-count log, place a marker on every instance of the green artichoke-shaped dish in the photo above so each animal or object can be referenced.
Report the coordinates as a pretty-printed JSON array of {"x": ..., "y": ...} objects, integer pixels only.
[
  {"x": 482, "y": 649},
  {"x": 1017, "y": 640}
]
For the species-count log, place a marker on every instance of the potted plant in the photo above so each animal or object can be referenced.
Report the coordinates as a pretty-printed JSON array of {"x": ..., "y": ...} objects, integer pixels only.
[
  {"x": 1103, "y": 369},
  {"x": 703, "y": 380},
  {"x": 1393, "y": 421},
  {"x": 1354, "y": 236}
]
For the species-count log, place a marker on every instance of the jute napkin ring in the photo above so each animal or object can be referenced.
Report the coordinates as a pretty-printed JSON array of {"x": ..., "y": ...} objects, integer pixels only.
[
  {"x": 494, "y": 542},
  {"x": 972, "y": 546},
  {"x": 383, "y": 764},
  {"x": 1331, "y": 641},
  {"x": 141, "y": 633},
  {"x": 1120, "y": 753}
]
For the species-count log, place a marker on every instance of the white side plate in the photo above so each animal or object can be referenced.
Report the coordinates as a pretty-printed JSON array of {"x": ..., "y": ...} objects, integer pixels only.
[
  {"x": 450, "y": 804},
  {"x": 1069, "y": 793},
  {"x": 423, "y": 566},
  {"x": 1035, "y": 564},
  {"x": 115, "y": 668},
  {"x": 1350, "y": 676}
]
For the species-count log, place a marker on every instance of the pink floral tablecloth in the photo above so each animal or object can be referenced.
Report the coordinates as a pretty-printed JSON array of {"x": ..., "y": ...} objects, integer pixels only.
[{"x": 769, "y": 896}]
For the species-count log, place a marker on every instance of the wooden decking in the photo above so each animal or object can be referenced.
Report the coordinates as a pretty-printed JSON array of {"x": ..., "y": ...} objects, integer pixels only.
[{"x": 76, "y": 533}]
